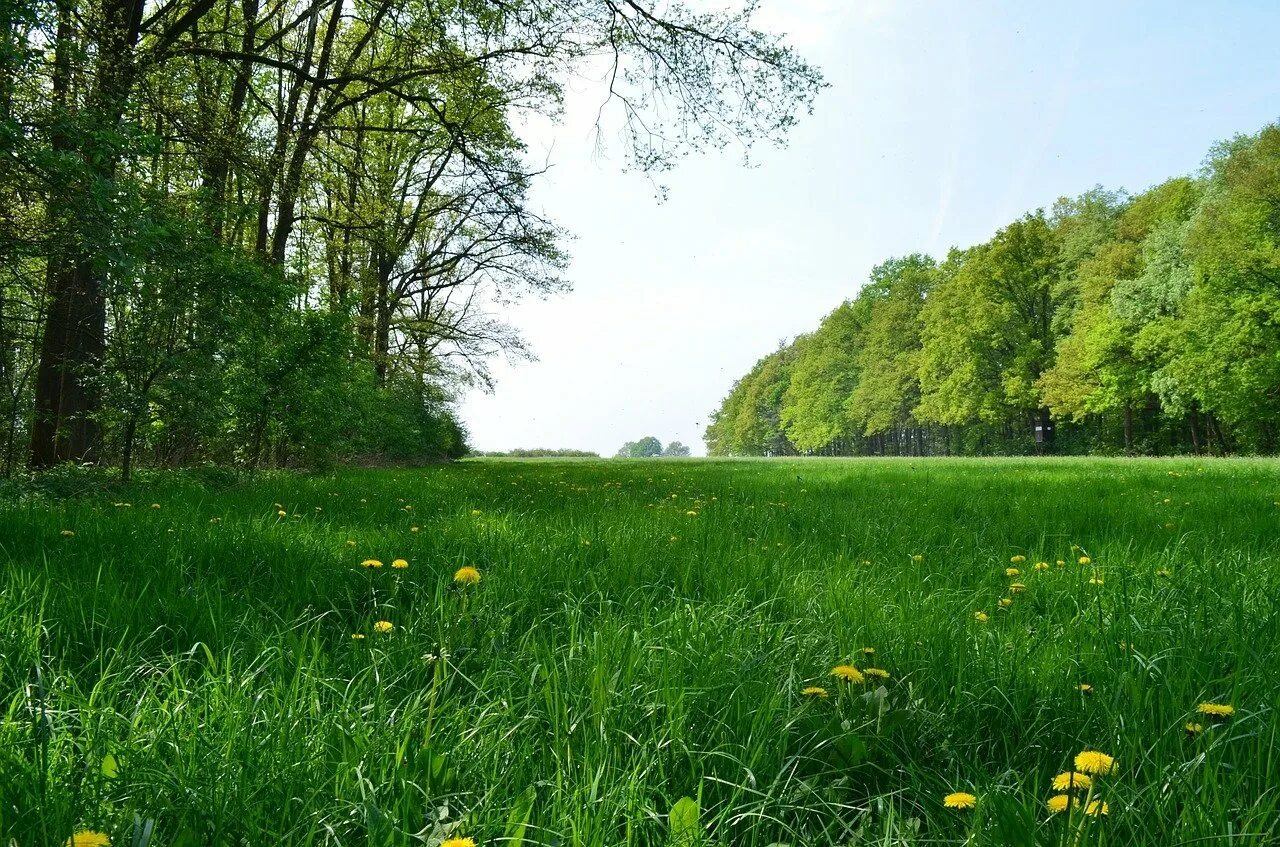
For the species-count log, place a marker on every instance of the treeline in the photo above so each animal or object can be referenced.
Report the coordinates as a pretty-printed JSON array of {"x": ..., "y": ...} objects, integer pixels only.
[
  {"x": 265, "y": 233},
  {"x": 1143, "y": 324},
  {"x": 537, "y": 453}
]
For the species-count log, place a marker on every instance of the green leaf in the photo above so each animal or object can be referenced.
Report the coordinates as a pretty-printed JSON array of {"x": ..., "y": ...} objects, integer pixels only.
[
  {"x": 110, "y": 768},
  {"x": 518, "y": 820},
  {"x": 683, "y": 822}
]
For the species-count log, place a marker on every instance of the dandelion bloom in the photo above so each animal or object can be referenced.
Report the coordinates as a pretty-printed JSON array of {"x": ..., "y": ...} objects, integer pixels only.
[
  {"x": 1058, "y": 803},
  {"x": 1012, "y": 572},
  {"x": 1093, "y": 762},
  {"x": 1097, "y": 808},
  {"x": 1086, "y": 688},
  {"x": 878, "y": 673},
  {"x": 1216, "y": 710},
  {"x": 1017, "y": 587},
  {"x": 1097, "y": 580},
  {"x": 691, "y": 513},
  {"x": 282, "y": 513},
  {"x": 350, "y": 543},
  {"x": 917, "y": 558},
  {"x": 1042, "y": 566},
  {"x": 413, "y": 529},
  {"x": 155, "y": 505},
  {"x": 1085, "y": 560},
  {"x": 1194, "y": 728},
  {"x": 357, "y": 636},
  {"x": 1163, "y": 572},
  {"x": 466, "y": 575},
  {"x": 1068, "y": 780},
  {"x": 66, "y": 533},
  {"x": 848, "y": 673},
  {"x": 459, "y": 842},
  {"x": 868, "y": 651},
  {"x": 383, "y": 626},
  {"x": 1060, "y": 562},
  {"x": 981, "y": 617},
  {"x": 475, "y": 513},
  {"x": 814, "y": 691},
  {"x": 960, "y": 800},
  {"x": 89, "y": 838},
  {"x": 1006, "y": 602},
  {"x": 400, "y": 564},
  {"x": 1017, "y": 560},
  {"x": 371, "y": 563}
]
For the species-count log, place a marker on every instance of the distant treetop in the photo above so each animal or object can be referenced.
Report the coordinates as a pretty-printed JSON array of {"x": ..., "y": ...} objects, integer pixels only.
[{"x": 650, "y": 447}]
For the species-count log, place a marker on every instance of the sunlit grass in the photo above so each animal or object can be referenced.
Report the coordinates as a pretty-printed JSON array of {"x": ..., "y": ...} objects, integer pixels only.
[{"x": 638, "y": 632}]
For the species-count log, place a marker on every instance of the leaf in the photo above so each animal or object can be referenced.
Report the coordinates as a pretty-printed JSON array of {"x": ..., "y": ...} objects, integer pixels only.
[
  {"x": 110, "y": 767},
  {"x": 518, "y": 820},
  {"x": 683, "y": 822}
]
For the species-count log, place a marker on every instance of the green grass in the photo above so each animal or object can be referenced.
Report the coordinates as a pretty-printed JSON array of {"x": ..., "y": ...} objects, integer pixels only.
[{"x": 620, "y": 654}]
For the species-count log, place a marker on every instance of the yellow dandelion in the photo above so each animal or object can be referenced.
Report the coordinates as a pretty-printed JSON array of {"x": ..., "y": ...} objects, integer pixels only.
[
  {"x": 1095, "y": 763},
  {"x": 89, "y": 838},
  {"x": 1060, "y": 562},
  {"x": 917, "y": 558},
  {"x": 878, "y": 673},
  {"x": 1097, "y": 580},
  {"x": 155, "y": 505},
  {"x": 868, "y": 651},
  {"x": 400, "y": 564},
  {"x": 459, "y": 842},
  {"x": 1164, "y": 572},
  {"x": 1042, "y": 566},
  {"x": 1086, "y": 688},
  {"x": 1193, "y": 728},
  {"x": 475, "y": 513},
  {"x": 981, "y": 617},
  {"x": 1017, "y": 560},
  {"x": 466, "y": 575},
  {"x": 383, "y": 627},
  {"x": 960, "y": 800},
  {"x": 1006, "y": 602},
  {"x": 1059, "y": 803},
  {"x": 1070, "y": 780},
  {"x": 371, "y": 563},
  {"x": 814, "y": 691},
  {"x": 1017, "y": 588},
  {"x": 847, "y": 673},
  {"x": 1097, "y": 808},
  {"x": 357, "y": 636},
  {"x": 691, "y": 513},
  {"x": 413, "y": 529},
  {"x": 1012, "y": 572},
  {"x": 66, "y": 533},
  {"x": 282, "y": 513},
  {"x": 1216, "y": 710},
  {"x": 350, "y": 543},
  {"x": 1085, "y": 560}
]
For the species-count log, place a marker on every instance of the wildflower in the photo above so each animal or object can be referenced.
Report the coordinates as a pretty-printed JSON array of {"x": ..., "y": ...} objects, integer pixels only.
[
  {"x": 878, "y": 673},
  {"x": 383, "y": 627},
  {"x": 1006, "y": 602},
  {"x": 1069, "y": 780},
  {"x": 981, "y": 617},
  {"x": 89, "y": 838},
  {"x": 1086, "y": 688},
  {"x": 466, "y": 575},
  {"x": 1012, "y": 572},
  {"x": 691, "y": 513},
  {"x": 155, "y": 505},
  {"x": 350, "y": 543},
  {"x": 1085, "y": 560},
  {"x": 475, "y": 513},
  {"x": 357, "y": 636},
  {"x": 1097, "y": 808},
  {"x": 413, "y": 529},
  {"x": 1216, "y": 710},
  {"x": 1060, "y": 563},
  {"x": 1017, "y": 560},
  {"x": 371, "y": 563},
  {"x": 1164, "y": 572},
  {"x": 1042, "y": 566},
  {"x": 868, "y": 651},
  {"x": 1058, "y": 803},
  {"x": 459, "y": 842},
  {"x": 1193, "y": 729},
  {"x": 1093, "y": 762},
  {"x": 66, "y": 533},
  {"x": 1017, "y": 588},
  {"x": 814, "y": 691},
  {"x": 281, "y": 513},
  {"x": 917, "y": 558},
  {"x": 848, "y": 673},
  {"x": 1097, "y": 580},
  {"x": 400, "y": 564},
  {"x": 960, "y": 800}
]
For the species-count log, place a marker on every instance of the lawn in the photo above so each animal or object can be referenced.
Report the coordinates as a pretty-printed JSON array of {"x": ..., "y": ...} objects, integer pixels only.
[{"x": 196, "y": 663}]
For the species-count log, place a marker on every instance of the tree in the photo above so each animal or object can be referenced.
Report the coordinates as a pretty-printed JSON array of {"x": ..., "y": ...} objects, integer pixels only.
[
  {"x": 676, "y": 450},
  {"x": 645, "y": 448}
]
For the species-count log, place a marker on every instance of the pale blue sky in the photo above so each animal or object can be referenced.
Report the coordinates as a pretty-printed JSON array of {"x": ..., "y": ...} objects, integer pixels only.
[{"x": 943, "y": 122}]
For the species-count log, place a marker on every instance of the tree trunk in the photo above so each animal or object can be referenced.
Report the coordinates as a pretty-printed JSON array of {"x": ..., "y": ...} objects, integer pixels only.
[{"x": 1128, "y": 428}]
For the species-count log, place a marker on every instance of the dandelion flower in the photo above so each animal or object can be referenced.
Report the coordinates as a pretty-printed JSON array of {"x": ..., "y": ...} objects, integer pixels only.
[
  {"x": 371, "y": 563},
  {"x": 814, "y": 691},
  {"x": 1164, "y": 572},
  {"x": 357, "y": 636},
  {"x": 89, "y": 838},
  {"x": 878, "y": 673},
  {"x": 1059, "y": 803},
  {"x": 1017, "y": 560},
  {"x": 1017, "y": 588},
  {"x": 1069, "y": 780},
  {"x": 475, "y": 513},
  {"x": 400, "y": 564},
  {"x": 1097, "y": 808},
  {"x": 350, "y": 543},
  {"x": 691, "y": 513},
  {"x": 917, "y": 558},
  {"x": 1012, "y": 572},
  {"x": 466, "y": 575},
  {"x": 981, "y": 617},
  {"x": 1085, "y": 560},
  {"x": 1042, "y": 566},
  {"x": 155, "y": 505},
  {"x": 282, "y": 513},
  {"x": 459, "y": 842},
  {"x": 960, "y": 800},
  {"x": 1086, "y": 688},
  {"x": 1060, "y": 562},
  {"x": 1097, "y": 580},
  {"x": 1006, "y": 602},
  {"x": 383, "y": 627},
  {"x": 1093, "y": 762},
  {"x": 413, "y": 529},
  {"x": 66, "y": 533},
  {"x": 1194, "y": 728},
  {"x": 1216, "y": 710},
  {"x": 848, "y": 673},
  {"x": 868, "y": 651}
]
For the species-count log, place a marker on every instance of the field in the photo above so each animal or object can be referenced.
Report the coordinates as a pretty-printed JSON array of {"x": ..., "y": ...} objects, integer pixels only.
[{"x": 205, "y": 666}]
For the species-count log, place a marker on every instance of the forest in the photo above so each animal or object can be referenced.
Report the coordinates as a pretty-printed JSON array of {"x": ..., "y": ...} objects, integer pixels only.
[
  {"x": 1112, "y": 323},
  {"x": 279, "y": 232}
]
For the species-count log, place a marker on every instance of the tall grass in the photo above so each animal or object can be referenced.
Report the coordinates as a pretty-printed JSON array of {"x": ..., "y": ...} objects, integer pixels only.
[{"x": 187, "y": 674}]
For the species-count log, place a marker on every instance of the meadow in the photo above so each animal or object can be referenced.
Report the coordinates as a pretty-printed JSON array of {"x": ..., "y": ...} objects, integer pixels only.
[{"x": 648, "y": 652}]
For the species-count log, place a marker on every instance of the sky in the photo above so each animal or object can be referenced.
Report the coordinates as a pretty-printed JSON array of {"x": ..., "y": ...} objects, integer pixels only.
[{"x": 943, "y": 122}]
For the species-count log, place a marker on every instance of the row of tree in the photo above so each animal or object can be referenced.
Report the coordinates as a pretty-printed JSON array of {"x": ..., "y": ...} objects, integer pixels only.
[
  {"x": 650, "y": 447},
  {"x": 1146, "y": 323},
  {"x": 265, "y": 232}
]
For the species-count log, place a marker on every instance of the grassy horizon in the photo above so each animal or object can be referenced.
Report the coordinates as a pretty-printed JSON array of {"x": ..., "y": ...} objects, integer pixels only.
[{"x": 642, "y": 632}]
